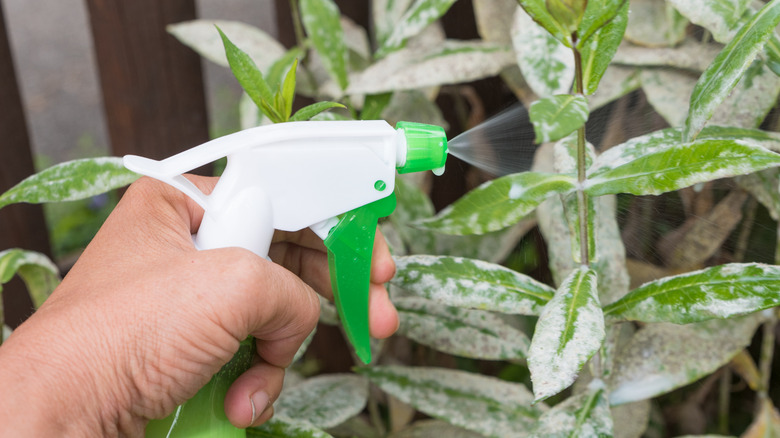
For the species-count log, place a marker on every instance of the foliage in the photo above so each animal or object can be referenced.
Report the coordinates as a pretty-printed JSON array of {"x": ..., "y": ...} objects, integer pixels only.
[{"x": 604, "y": 339}]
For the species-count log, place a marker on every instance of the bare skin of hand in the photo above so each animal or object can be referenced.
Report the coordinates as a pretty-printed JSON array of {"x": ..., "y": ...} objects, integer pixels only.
[{"x": 143, "y": 320}]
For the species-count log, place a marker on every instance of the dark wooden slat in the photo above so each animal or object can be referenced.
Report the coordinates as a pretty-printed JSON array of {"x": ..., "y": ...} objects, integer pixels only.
[
  {"x": 21, "y": 225},
  {"x": 152, "y": 84}
]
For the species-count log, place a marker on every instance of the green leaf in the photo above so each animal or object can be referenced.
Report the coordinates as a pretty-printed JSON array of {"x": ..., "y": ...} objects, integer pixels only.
[
  {"x": 283, "y": 64},
  {"x": 727, "y": 68},
  {"x": 719, "y": 292},
  {"x": 586, "y": 414},
  {"x": 374, "y": 105},
  {"x": 597, "y": 51},
  {"x": 547, "y": 65},
  {"x": 283, "y": 427},
  {"x": 419, "y": 15},
  {"x": 558, "y": 116},
  {"x": 324, "y": 401},
  {"x": 38, "y": 272},
  {"x": 662, "y": 357},
  {"x": 657, "y": 164},
  {"x": 565, "y": 161},
  {"x": 312, "y": 110},
  {"x": 498, "y": 203},
  {"x": 569, "y": 331},
  {"x": 751, "y": 100},
  {"x": 70, "y": 181},
  {"x": 385, "y": 16},
  {"x": 483, "y": 404},
  {"x": 321, "y": 20},
  {"x": 288, "y": 91},
  {"x": 475, "y": 334},
  {"x": 567, "y": 12},
  {"x": 598, "y": 14},
  {"x": 468, "y": 283},
  {"x": 537, "y": 10},
  {"x": 251, "y": 78}
]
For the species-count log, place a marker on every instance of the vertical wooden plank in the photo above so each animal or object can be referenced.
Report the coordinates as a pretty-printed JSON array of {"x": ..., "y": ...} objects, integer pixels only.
[
  {"x": 152, "y": 84},
  {"x": 21, "y": 225}
]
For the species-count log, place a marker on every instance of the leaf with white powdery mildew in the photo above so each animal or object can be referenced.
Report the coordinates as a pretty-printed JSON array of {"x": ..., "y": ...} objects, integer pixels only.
[
  {"x": 470, "y": 283},
  {"x": 662, "y": 357},
  {"x": 70, "y": 181},
  {"x": 419, "y": 15},
  {"x": 475, "y": 334},
  {"x": 719, "y": 292},
  {"x": 323, "y": 26},
  {"x": 666, "y": 165},
  {"x": 727, "y": 68},
  {"x": 324, "y": 401},
  {"x": 547, "y": 65},
  {"x": 558, "y": 116},
  {"x": 450, "y": 62},
  {"x": 569, "y": 331},
  {"x": 718, "y": 16},
  {"x": 584, "y": 415},
  {"x": 202, "y": 37},
  {"x": 487, "y": 405},
  {"x": 498, "y": 203}
]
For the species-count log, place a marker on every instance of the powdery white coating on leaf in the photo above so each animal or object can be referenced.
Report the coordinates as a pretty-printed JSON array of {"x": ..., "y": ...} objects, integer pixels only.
[
  {"x": 70, "y": 181},
  {"x": 653, "y": 24},
  {"x": 419, "y": 15},
  {"x": 690, "y": 55},
  {"x": 669, "y": 92},
  {"x": 487, "y": 405},
  {"x": 718, "y": 292},
  {"x": 662, "y": 357},
  {"x": 616, "y": 82},
  {"x": 498, "y": 203},
  {"x": 468, "y": 333},
  {"x": 666, "y": 167},
  {"x": 202, "y": 36},
  {"x": 433, "y": 428},
  {"x": 547, "y": 65},
  {"x": 324, "y": 401},
  {"x": 471, "y": 283},
  {"x": 494, "y": 19},
  {"x": 750, "y": 101},
  {"x": 569, "y": 331},
  {"x": 718, "y": 16},
  {"x": 728, "y": 67},
  {"x": 385, "y": 14},
  {"x": 585, "y": 415},
  {"x": 450, "y": 62},
  {"x": 321, "y": 18},
  {"x": 557, "y": 116}
]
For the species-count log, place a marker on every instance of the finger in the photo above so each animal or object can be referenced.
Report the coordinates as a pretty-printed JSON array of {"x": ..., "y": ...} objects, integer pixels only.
[
  {"x": 262, "y": 299},
  {"x": 382, "y": 265},
  {"x": 383, "y": 316},
  {"x": 249, "y": 401}
]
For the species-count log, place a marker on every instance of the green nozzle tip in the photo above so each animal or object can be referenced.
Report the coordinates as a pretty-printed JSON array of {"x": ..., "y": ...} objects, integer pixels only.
[{"x": 426, "y": 147}]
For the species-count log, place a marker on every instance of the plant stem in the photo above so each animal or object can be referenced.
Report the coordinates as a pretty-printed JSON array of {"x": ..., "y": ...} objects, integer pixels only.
[
  {"x": 295, "y": 11},
  {"x": 767, "y": 354},
  {"x": 724, "y": 401},
  {"x": 582, "y": 197}
]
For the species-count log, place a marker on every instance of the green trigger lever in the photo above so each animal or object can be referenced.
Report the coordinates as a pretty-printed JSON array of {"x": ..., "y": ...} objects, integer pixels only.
[{"x": 350, "y": 247}]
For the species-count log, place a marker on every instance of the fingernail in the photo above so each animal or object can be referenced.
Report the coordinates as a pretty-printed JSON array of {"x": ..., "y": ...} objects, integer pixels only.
[{"x": 259, "y": 402}]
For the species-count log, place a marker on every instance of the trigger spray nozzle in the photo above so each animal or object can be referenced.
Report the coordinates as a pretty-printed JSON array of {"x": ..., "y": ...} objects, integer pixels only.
[{"x": 426, "y": 148}]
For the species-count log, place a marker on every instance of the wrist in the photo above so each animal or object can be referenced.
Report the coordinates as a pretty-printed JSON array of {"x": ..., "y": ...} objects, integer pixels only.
[{"x": 51, "y": 395}]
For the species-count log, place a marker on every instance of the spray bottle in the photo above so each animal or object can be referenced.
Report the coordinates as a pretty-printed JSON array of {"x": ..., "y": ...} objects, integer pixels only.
[{"x": 335, "y": 177}]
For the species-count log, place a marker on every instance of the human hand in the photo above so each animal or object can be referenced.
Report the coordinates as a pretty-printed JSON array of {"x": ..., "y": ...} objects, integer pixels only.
[{"x": 143, "y": 320}]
